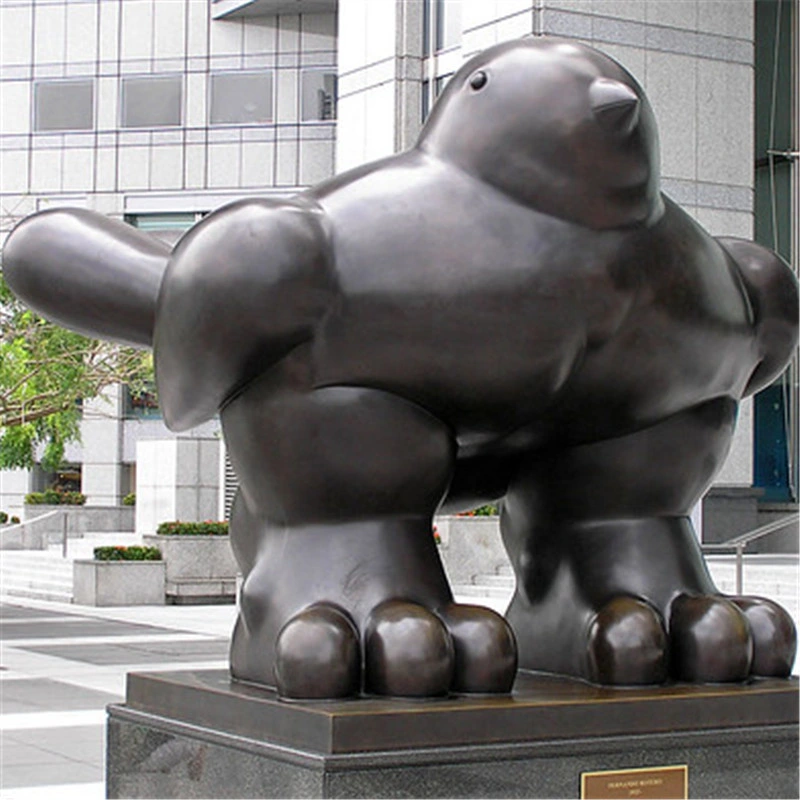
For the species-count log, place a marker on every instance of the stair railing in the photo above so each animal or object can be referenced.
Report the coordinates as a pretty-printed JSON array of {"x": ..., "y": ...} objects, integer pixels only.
[{"x": 739, "y": 543}]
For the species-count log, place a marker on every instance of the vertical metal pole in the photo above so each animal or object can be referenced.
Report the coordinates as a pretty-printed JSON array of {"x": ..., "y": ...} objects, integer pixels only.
[
  {"x": 63, "y": 534},
  {"x": 739, "y": 567}
]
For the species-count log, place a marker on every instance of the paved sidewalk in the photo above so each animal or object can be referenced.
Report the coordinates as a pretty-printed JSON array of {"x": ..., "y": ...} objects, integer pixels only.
[{"x": 60, "y": 665}]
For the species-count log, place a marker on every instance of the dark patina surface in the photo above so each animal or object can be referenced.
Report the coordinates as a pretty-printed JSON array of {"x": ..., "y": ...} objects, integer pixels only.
[{"x": 511, "y": 310}]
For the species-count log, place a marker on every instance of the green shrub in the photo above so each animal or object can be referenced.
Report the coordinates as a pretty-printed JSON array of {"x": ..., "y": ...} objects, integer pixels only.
[
  {"x": 133, "y": 552},
  {"x": 51, "y": 497},
  {"x": 207, "y": 528},
  {"x": 73, "y": 499},
  {"x": 55, "y": 497},
  {"x": 15, "y": 520},
  {"x": 489, "y": 510},
  {"x": 129, "y": 499},
  {"x": 3, "y": 517}
]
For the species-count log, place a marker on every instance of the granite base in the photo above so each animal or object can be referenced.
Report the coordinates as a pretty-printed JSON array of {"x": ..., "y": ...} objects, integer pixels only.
[{"x": 198, "y": 734}]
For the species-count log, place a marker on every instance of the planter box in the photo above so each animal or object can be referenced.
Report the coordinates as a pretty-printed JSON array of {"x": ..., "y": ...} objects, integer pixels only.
[
  {"x": 118, "y": 583},
  {"x": 200, "y": 569},
  {"x": 470, "y": 546}
]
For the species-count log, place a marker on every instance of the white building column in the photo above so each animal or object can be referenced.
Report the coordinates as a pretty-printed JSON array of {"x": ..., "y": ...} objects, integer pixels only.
[
  {"x": 177, "y": 480},
  {"x": 379, "y": 107},
  {"x": 101, "y": 435},
  {"x": 14, "y": 485}
]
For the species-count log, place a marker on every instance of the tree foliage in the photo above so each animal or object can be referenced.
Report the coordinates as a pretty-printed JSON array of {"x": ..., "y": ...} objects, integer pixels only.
[{"x": 45, "y": 374}]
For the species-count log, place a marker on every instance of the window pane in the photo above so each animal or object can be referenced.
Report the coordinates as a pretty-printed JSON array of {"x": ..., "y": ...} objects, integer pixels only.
[
  {"x": 426, "y": 27},
  {"x": 448, "y": 23},
  {"x": 63, "y": 106},
  {"x": 168, "y": 227},
  {"x": 440, "y": 83},
  {"x": 237, "y": 97},
  {"x": 151, "y": 102},
  {"x": 319, "y": 95},
  {"x": 162, "y": 222}
]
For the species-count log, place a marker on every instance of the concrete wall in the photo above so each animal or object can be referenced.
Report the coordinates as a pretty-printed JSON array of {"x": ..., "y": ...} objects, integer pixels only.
[
  {"x": 470, "y": 546},
  {"x": 101, "y": 436},
  {"x": 176, "y": 479},
  {"x": 118, "y": 583},
  {"x": 14, "y": 485},
  {"x": 111, "y": 168},
  {"x": 81, "y": 519}
]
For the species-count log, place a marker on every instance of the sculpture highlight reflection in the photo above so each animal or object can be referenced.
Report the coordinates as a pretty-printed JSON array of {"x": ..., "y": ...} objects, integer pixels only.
[{"x": 509, "y": 310}]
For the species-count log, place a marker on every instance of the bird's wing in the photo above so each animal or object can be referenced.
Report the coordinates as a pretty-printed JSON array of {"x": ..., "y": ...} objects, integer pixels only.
[
  {"x": 87, "y": 272},
  {"x": 244, "y": 287},
  {"x": 771, "y": 288}
]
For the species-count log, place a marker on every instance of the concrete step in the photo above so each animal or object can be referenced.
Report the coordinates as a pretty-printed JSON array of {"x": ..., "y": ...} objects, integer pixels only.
[
  {"x": 30, "y": 577},
  {"x": 58, "y": 572},
  {"x": 39, "y": 593},
  {"x": 477, "y": 591},
  {"x": 499, "y": 581},
  {"x": 46, "y": 574},
  {"x": 38, "y": 574},
  {"x": 775, "y": 577},
  {"x": 37, "y": 560}
]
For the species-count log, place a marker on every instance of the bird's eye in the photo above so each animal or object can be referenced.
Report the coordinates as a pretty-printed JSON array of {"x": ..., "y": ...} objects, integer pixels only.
[{"x": 478, "y": 80}]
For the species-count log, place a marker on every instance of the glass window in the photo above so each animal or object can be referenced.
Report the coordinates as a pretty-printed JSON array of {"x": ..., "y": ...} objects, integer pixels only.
[
  {"x": 448, "y": 23},
  {"x": 163, "y": 222},
  {"x": 438, "y": 84},
  {"x": 152, "y": 102},
  {"x": 168, "y": 227},
  {"x": 426, "y": 27},
  {"x": 241, "y": 97},
  {"x": 319, "y": 95},
  {"x": 63, "y": 105},
  {"x": 141, "y": 404}
]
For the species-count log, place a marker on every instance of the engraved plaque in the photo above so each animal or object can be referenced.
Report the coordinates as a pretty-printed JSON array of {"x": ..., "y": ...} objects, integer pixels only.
[{"x": 650, "y": 782}]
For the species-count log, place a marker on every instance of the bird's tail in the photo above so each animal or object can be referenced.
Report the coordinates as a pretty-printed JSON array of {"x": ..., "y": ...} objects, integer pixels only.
[{"x": 87, "y": 272}]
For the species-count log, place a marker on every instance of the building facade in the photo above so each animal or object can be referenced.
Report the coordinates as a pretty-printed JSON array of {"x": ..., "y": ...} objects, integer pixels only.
[{"x": 158, "y": 112}]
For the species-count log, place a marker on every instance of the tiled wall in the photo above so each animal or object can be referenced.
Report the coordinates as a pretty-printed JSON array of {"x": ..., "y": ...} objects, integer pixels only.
[
  {"x": 695, "y": 60},
  {"x": 693, "y": 57},
  {"x": 110, "y": 40}
]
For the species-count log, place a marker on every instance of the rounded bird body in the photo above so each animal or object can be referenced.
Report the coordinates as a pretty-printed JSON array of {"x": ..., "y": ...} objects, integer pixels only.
[{"x": 509, "y": 310}]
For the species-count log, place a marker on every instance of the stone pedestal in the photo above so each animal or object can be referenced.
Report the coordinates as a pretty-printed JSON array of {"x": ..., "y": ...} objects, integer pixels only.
[{"x": 197, "y": 734}]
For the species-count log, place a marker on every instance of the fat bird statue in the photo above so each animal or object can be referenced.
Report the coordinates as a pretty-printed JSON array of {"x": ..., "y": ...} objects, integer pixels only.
[{"x": 511, "y": 309}]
